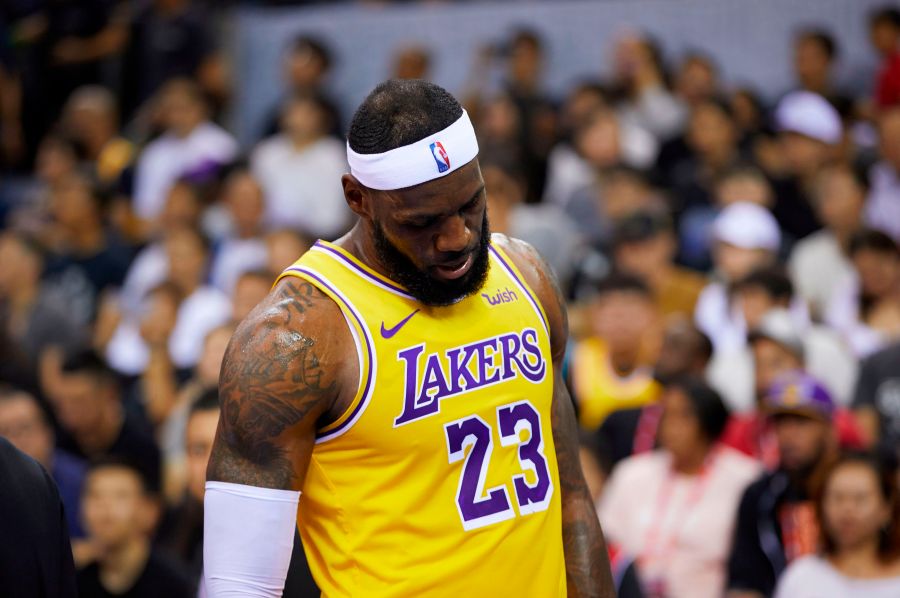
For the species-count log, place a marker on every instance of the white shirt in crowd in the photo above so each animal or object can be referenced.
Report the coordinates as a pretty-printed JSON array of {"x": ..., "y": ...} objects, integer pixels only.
[
  {"x": 814, "y": 577},
  {"x": 168, "y": 158},
  {"x": 883, "y": 203},
  {"x": 679, "y": 527},
  {"x": 205, "y": 309},
  {"x": 303, "y": 189},
  {"x": 818, "y": 268},
  {"x": 148, "y": 270}
]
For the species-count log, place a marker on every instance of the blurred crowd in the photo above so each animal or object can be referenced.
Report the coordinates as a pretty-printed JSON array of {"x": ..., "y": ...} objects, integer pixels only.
[{"x": 731, "y": 263}]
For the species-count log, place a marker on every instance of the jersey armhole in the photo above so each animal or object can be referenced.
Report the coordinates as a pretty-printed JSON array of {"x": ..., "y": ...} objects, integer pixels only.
[{"x": 364, "y": 351}]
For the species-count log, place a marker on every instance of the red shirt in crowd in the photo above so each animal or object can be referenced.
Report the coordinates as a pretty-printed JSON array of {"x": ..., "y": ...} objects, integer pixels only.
[{"x": 887, "y": 86}]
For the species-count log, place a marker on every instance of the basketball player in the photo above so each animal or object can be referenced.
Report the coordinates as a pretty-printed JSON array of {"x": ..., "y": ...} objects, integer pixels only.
[{"x": 403, "y": 385}]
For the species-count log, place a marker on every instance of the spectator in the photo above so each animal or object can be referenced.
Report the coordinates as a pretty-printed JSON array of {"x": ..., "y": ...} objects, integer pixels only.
[
  {"x": 200, "y": 308},
  {"x": 33, "y": 317},
  {"x": 741, "y": 183},
  {"x": 684, "y": 351},
  {"x": 696, "y": 79},
  {"x": 819, "y": 264},
  {"x": 305, "y": 70},
  {"x": 24, "y": 423},
  {"x": 639, "y": 73},
  {"x": 86, "y": 260},
  {"x": 867, "y": 311},
  {"x": 746, "y": 237},
  {"x": 609, "y": 370},
  {"x": 674, "y": 508},
  {"x": 777, "y": 521},
  {"x": 764, "y": 299},
  {"x": 810, "y": 130},
  {"x": 412, "y": 62},
  {"x": 244, "y": 249},
  {"x": 645, "y": 246},
  {"x": 883, "y": 202},
  {"x": 876, "y": 400},
  {"x": 815, "y": 54},
  {"x": 285, "y": 247},
  {"x": 249, "y": 291},
  {"x": 150, "y": 266},
  {"x": 300, "y": 171},
  {"x": 777, "y": 347},
  {"x": 168, "y": 39},
  {"x": 91, "y": 118},
  {"x": 120, "y": 514},
  {"x": 190, "y": 146},
  {"x": 884, "y": 33},
  {"x": 35, "y": 555},
  {"x": 94, "y": 421},
  {"x": 860, "y": 516}
]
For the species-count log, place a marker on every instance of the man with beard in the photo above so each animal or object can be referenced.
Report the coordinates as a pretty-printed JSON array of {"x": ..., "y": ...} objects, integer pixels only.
[
  {"x": 398, "y": 396},
  {"x": 777, "y": 520}
]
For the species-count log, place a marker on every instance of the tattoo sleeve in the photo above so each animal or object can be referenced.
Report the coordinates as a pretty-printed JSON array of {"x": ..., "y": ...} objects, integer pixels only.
[{"x": 274, "y": 385}]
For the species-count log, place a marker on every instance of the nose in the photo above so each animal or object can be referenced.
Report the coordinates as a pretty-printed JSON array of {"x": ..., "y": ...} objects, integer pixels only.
[{"x": 454, "y": 235}]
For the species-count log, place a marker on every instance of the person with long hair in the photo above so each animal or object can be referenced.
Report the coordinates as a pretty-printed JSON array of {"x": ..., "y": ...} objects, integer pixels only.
[{"x": 860, "y": 536}]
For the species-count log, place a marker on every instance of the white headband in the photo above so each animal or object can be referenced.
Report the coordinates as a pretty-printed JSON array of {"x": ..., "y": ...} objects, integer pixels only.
[{"x": 425, "y": 160}]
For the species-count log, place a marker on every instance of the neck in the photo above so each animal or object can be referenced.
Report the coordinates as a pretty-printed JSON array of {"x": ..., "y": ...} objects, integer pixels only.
[
  {"x": 121, "y": 566},
  {"x": 301, "y": 142},
  {"x": 690, "y": 463},
  {"x": 858, "y": 561},
  {"x": 623, "y": 361}
]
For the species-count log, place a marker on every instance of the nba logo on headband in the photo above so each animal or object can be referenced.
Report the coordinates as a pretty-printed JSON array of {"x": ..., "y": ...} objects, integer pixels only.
[{"x": 440, "y": 156}]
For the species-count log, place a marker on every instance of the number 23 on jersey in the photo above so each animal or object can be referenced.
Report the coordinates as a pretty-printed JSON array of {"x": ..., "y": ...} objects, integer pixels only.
[{"x": 479, "y": 506}]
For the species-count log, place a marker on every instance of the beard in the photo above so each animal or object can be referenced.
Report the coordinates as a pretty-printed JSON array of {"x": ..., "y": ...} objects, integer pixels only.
[{"x": 428, "y": 289}]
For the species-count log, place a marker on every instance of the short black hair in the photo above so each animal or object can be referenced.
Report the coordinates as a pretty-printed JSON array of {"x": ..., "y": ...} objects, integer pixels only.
[
  {"x": 771, "y": 279},
  {"x": 207, "y": 401},
  {"x": 821, "y": 37},
  {"x": 121, "y": 462},
  {"x": 312, "y": 44},
  {"x": 873, "y": 240},
  {"x": 91, "y": 364},
  {"x": 619, "y": 282},
  {"x": 399, "y": 112},
  {"x": 528, "y": 37},
  {"x": 886, "y": 15},
  {"x": 707, "y": 405},
  {"x": 719, "y": 103}
]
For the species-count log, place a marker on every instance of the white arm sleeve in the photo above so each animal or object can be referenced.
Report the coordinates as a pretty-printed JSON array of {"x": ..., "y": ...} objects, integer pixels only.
[{"x": 248, "y": 534}]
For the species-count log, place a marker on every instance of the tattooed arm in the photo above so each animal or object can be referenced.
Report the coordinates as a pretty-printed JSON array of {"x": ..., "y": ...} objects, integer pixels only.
[
  {"x": 587, "y": 561},
  {"x": 281, "y": 375}
]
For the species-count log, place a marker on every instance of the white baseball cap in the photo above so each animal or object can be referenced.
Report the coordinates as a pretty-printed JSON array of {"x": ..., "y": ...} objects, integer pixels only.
[
  {"x": 747, "y": 225},
  {"x": 809, "y": 114}
]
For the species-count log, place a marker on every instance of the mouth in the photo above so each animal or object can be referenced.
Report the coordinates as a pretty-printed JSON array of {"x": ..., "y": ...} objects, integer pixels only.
[{"x": 455, "y": 269}]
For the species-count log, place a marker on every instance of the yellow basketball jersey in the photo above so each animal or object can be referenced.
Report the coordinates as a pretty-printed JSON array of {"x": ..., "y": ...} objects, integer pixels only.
[
  {"x": 440, "y": 479},
  {"x": 600, "y": 391}
]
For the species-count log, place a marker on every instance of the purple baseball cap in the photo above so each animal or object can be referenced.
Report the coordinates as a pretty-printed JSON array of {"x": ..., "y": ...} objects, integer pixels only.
[{"x": 800, "y": 394}]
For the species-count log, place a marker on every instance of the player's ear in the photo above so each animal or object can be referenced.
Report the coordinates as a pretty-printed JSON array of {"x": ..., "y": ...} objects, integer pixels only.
[{"x": 357, "y": 196}]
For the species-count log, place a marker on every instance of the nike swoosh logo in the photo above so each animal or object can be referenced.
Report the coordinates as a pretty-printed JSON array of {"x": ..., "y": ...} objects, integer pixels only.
[{"x": 389, "y": 332}]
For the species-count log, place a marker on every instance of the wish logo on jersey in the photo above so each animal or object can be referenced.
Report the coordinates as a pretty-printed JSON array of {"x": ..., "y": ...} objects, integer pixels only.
[
  {"x": 466, "y": 368},
  {"x": 440, "y": 156}
]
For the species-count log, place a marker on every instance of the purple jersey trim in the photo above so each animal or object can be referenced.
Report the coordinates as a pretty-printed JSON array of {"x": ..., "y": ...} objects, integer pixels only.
[
  {"x": 364, "y": 401},
  {"x": 362, "y": 271},
  {"x": 522, "y": 286}
]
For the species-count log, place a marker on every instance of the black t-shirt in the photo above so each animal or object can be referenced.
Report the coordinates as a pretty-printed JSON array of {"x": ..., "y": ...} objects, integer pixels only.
[
  {"x": 35, "y": 555},
  {"x": 160, "y": 579},
  {"x": 879, "y": 387}
]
